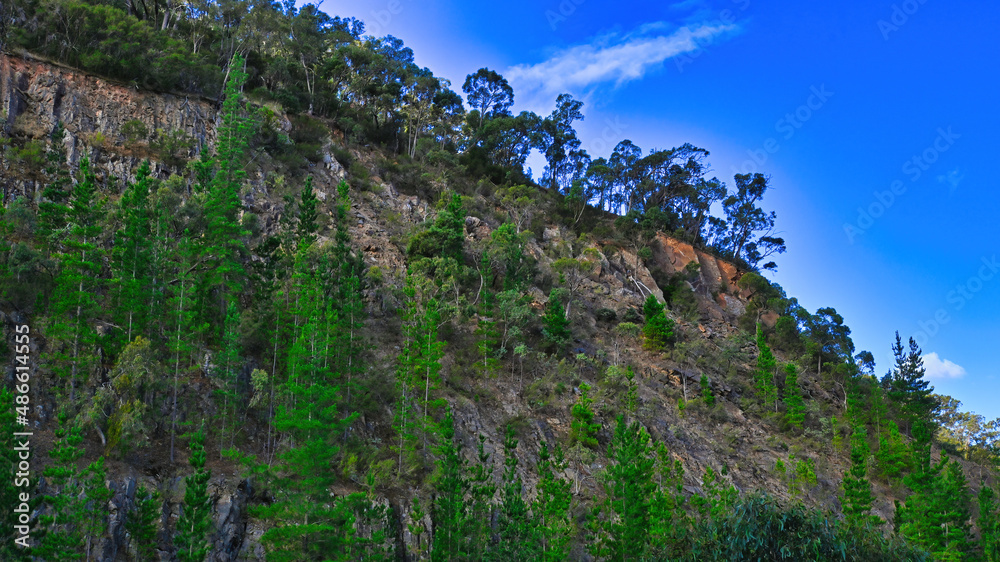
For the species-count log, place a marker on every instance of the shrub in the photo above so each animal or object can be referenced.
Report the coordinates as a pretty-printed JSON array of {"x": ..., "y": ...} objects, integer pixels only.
[
  {"x": 134, "y": 131},
  {"x": 659, "y": 330},
  {"x": 606, "y": 315}
]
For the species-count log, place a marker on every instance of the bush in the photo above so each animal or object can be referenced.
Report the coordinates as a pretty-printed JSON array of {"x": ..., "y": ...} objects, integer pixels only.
[
  {"x": 659, "y": 330},
  {"x": 760, "y": 528},
  {"x": 134, "y": 131},
  {"x": 606, "y": 315}
]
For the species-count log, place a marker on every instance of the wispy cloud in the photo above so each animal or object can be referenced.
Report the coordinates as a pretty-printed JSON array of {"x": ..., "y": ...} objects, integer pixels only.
[
  {"x": 938, "y": 368},
  {"x": 614, "y": 58}
]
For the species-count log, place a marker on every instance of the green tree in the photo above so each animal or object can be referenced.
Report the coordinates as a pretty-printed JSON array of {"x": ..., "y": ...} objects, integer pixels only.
[
  {"x": 488, "y": 93},
  {"x": 989, "y": 524},
  {"x": 764, "y": 374},
  {"x": 450, "y": 515},
  {"x": 555, "y": 325},
  {"x": 583, "y": 429},
  {"x": 517, "y": 535},
  {"x": 140, "y": 523},
  {"x": 224, "y": 246},
  {"x": 795, "y": 410},
  {"x": 706, "y": 391},
  {"x": 307, "y": 227},
  {"x": 624, "y": 526},
  {"x": 857, "y": 488},
  {"x": 77, "y": 285},
  {"x": 892, "y": 457},
  {"x": 551, "y": 508},
  {"x": 658, "y": 330},
  {"x": 195, "y": 521},
  {"x": 75, "y": 505},
  {"x": 908, "y": 388},
  {"x": 446, "y": 236},
  {"x": 132, "y": 255}
]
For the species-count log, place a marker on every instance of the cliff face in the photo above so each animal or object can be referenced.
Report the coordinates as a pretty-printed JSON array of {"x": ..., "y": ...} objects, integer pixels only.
[{"x": 35, "y": 96}]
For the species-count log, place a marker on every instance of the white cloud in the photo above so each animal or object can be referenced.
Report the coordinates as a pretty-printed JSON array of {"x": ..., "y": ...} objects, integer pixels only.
[
  {"x": 938, "y": 368},
  {"x": 613, "y": 58}
]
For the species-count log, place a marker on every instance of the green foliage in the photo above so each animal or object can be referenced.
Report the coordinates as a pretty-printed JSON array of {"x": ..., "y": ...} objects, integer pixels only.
[
  {"x": 759, "y": 528},
  {"x": 551, "y": 508},
  {"x": 988, "y": 523},
  {"x": 624, "y": 523},
  {"x": 140, "y": 523},
  {"x": 555, "y": 325},
  {"x": 658, "y": 331},
  {"x": 907, "y": 387},
  {"x": 446, "y": 236},
  {"x": 706, "y": 391},
  {"x": 892, "y": 457},
  {"x": 120, "y": 409},
  {"x": 764, "y": 374},
  {"x": 795, "y": 411},
  {"x": 450, "y": 517},
  {"x": 74, "y": 504},
  {"x": 583, "y": 429},
  {"x": 857, "y": 488},
  {"x": 195, "y": 521},
  {"x": 517, "y": 535},
  {"x": 74, "y": 302}
]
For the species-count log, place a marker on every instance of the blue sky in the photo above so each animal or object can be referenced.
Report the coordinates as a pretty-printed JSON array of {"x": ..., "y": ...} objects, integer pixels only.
[{"x": 876, "y": 120}]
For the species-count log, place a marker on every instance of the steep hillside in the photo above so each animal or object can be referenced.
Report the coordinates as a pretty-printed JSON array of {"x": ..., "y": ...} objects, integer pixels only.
[{"x": 697, "y": 391}]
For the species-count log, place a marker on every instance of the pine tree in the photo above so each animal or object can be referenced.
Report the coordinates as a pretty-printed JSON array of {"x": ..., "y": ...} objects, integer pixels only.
[
  {"x": 517, "y": 534},
  {"x": 480, "y": 506},
  {"x": 450, "y": 510},
  {"x": 195, "y": 522},
  {"x": 53, "y": 209},
  {"x": 228, "y": 363},
  {"x": 908, "y": 388},
  {"x": 658, "y": 330},
  {"x": 583, "y": 430},
  {"x": 857, "y": 488},
  {"x": 919, "y": 517},
  {"x": 75, "y": 507},
  {"x": 624, "y": 526},
  {"x": 706, "y": 391},
  {"x": 795, "y": 411},
  {"x": 764, "y": 375},
  {"x": 306, "y": 230},
  {"x": 551, "y": 507},
  {"x": 223, "y": 246},
  {"x": 183, "y": 328},
  {"x": 989, "y": 523},
  {"x": 132, "y": 255},
  {"x": 140, "y": 523},
  {"x": 892, "y": 457},
  {"x": 670, "y": 524},
  {"x": 555, "y": 325},
  {"x": 74, "y": 303}
]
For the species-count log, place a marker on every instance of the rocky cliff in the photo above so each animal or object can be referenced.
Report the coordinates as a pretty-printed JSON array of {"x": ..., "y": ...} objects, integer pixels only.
[{"x": 36, "y": 96}]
